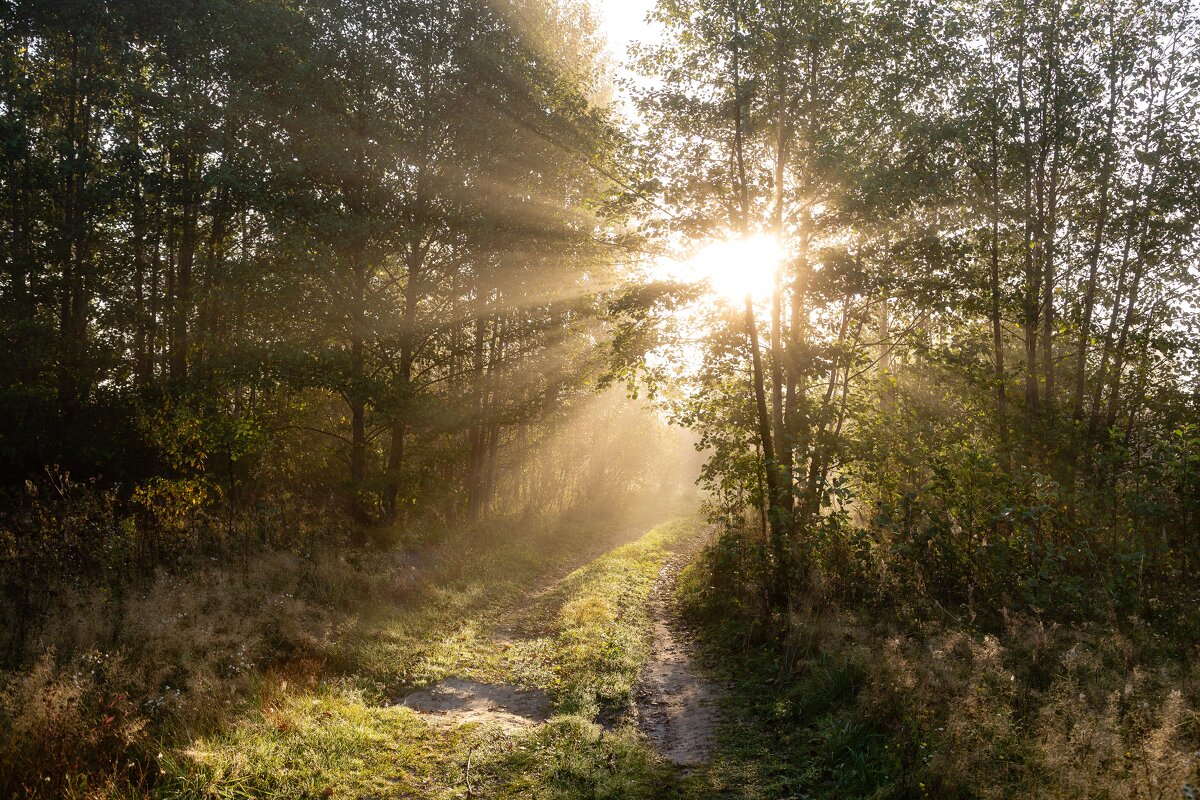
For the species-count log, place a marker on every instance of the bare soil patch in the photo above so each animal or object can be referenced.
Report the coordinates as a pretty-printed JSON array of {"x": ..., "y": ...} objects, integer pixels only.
[{"x": 457, "y": 702}]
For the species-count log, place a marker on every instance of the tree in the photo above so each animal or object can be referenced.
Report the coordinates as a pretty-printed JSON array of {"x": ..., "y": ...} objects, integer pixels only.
[{"x": 781, "y": 115}]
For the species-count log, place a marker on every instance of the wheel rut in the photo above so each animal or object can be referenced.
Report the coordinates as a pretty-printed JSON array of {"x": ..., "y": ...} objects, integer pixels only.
[{"x": 676, "y": 704}]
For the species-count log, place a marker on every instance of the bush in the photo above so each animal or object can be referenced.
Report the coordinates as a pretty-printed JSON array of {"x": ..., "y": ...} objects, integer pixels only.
[{"x": 68, "y": 728}]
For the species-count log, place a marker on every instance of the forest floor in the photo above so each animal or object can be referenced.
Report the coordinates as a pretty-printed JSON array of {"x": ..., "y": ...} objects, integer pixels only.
[
  {"x": 590, "y": 658},
  {"x": 539, "y": 670}
]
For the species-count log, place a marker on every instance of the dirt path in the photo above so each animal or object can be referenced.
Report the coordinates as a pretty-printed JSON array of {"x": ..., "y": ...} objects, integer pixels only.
[
  {"x": 458, "y": 702},
  {"x": 676, "y": 705},
  {"x": 510, "y": 707}
]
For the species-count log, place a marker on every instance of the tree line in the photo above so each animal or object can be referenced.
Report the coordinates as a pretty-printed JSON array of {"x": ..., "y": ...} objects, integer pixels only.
[{"x": 342, "y": 252}]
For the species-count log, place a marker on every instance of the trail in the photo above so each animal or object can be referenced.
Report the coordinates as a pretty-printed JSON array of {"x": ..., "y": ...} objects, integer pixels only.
[
  {"x": 507, "y": 706},
  {"x": 676, "y": 704}
]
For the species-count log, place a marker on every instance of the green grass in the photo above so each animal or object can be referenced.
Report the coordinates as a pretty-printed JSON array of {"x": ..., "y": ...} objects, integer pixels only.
[
  {"x": 500, "y": 612},
  {"x": 603, "y": 622}
]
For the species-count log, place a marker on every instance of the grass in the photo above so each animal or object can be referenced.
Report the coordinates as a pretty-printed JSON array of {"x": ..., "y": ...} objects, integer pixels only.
[
  {"x": 842, "y": 704},
  {"x": 495, "y": 614},
  {"x": 282, "y": 681}
]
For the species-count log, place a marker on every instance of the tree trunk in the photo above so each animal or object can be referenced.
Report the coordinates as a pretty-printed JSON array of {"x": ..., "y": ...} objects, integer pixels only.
[
  {"x": 477, "y": 432},
  {"x": 1048, "y": 231},
  {"x": 994, "y": 290},
  {"x": 142, "y": 364},
  {"x": 1097, "y": 245},
  {"x": 74, "y": 304},
  {"x": 1031, "y": 304},
  {"x": 1109, "y": 332},
  {"x": 402, "y": 388},
  {"x": 770, "y": 465}
]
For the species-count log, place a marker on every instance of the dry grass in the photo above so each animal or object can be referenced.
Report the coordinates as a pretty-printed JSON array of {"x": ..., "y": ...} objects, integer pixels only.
[
  {"x": 1052, "y": 713},
  {"x": 110, "y": 673},
  {"x": 861, "y": 700}
]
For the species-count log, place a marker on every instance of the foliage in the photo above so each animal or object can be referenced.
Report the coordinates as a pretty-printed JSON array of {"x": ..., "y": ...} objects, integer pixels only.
[
  {"x": 969, "y": 332},
  {"x": 350, "y": 230}
]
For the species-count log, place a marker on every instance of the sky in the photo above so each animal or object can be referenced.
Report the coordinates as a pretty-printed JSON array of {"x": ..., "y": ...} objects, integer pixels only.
[{"x": 623, "y": 22}]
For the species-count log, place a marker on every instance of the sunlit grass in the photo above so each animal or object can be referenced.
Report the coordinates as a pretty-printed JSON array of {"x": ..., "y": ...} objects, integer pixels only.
[
  {"x": 583, "y": 637},
  {"x": 313, "y": 744}
]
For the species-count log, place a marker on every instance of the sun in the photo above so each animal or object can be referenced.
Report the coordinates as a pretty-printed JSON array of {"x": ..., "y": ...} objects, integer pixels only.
[{"x": 733, "y": 268}]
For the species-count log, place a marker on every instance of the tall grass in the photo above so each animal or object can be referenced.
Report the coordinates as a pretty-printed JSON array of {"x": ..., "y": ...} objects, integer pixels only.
[{"x": 846, "y": 699}]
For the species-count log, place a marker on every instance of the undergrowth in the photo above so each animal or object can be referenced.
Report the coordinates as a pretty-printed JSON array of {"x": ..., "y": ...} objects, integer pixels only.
[{"x": 858, "y": 700}]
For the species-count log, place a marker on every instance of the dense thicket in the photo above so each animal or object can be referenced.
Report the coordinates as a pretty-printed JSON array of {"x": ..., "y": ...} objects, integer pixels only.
[{"x": 979, "y": 360}]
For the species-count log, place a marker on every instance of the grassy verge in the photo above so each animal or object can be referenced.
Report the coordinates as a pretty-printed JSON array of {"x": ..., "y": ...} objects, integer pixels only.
[
  {"x": 497, "y": 615},
  {"x": 852, "y": 703}
]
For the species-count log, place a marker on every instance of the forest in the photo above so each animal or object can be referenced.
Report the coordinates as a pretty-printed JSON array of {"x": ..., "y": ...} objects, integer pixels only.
[{"x": 686, "y": 399}]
